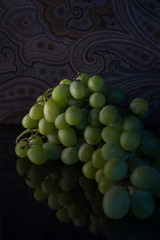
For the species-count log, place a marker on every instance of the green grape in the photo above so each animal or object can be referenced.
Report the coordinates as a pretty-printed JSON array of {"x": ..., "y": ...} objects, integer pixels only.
[
  {"x": 99, "y": 175},
  {"x": 36, "y": 112},
  {"x": 149, "y": 144},
  {"x": 71, "y": 101},
  {"x": 53, "y": 201},
  {"x": 32, "y": 184},
  {"x": 77, "y": 90},
  {"x": 60, "y": 92},
  {"x": 142, "y": 204},
  {"x": 54, "y": 169},
  {"x": 37, "y": 174},
  {"x": 28, "y": 122},
  {"x": 62, "y": 215},
  {"x": 79, "y": 222},
  {"x": 21, "y": 149},
  {"x": 116, "y": 96},
  {"x": 112, "y": 150},
  {"x": 53, "y": 150},
  {"x": 104, "y": 184},
  {"x": 45, "y": 127},
  {"x": 93, "y": 117},
  {"x": 66, "y": 198},
  {"x": 62, "y": 104},
  {"x": 97, "y": 100},
  {"x": 111, "y": 134},
  {"x": 73, "y": 115},
  {"x": 65, "y": 81},
  {"x": 89, "y": 170},
  {"x": 67, "y": 186},
  {"x": 49, "y": 185},
  {"x": 130, "y": 139},
  {"x": 115, "y": 169},
  {"x": 131, "y": 122},
  {"x": 23, "y": 166},
  {"x": 144, "y": 177},
  {"x": 37, "y": 155},
  {"x": 40, "y": 99},
  {"x": 85, "y": 152},
  {"x": 75, "y": 210},
  {"x": 53, "y": 137},
  {"x": 84, "y": 121},
  {"x": 117, "y": 123},
  {"x": 60, "y": 122},
  {"x": 96, "y": 83},
  {"x": 36, "y": 140},
  {"x": 69, "y": 155},
  {"x": 97, "y": 160},
  {"x": 133, "y": 162},
  {"x": 108, "y": 114},
  {"x": 139, "y": 106},
  {"x": 51, "y": 110},
  {"x": 67, "y": 137},
  {"x": 83, "y": 78},
  {"x": 116, "y": 202},
  {"x": 39, "y": 195},
  {"x": 92, "y": 135}
]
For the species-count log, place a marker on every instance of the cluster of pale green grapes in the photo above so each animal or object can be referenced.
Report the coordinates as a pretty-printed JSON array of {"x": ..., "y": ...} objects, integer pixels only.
[{"x": 86, "y": 128}]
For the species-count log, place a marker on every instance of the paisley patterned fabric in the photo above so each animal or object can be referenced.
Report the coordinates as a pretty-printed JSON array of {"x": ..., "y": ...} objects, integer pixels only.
[{"x": 44, "y": 41}]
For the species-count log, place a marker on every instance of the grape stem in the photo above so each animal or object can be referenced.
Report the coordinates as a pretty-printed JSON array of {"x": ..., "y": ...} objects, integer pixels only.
[{"x": 24, "y": 133}]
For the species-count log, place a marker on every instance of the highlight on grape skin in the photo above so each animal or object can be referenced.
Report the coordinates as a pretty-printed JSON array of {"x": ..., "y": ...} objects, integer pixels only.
[{"x": 86, "y": 153}]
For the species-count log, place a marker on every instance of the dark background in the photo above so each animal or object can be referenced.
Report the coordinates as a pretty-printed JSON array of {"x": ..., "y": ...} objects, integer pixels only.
[{"x": 44, "y": 41}]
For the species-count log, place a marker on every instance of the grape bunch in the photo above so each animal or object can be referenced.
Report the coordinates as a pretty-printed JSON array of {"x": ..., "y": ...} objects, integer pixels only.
[{"x": 86, "y": 129}]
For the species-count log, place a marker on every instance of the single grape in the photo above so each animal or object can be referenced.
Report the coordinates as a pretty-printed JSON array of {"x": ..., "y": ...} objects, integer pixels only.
[
  {"x": 92, "y": 135},
  {"x": 21, "y": 149},
  {"x": 53, "y": 137},
  {"x": 77, "y": 90},
  {"x": 39, "y": 195},
  {"x": 49, "y": 185},
  {"x": 73, "y": 115},
  {"x": 112, "y": 150},
  {"x": 45, "y": 127},
  {"x": 66, "y": 198},
  {"x": 139, "y": 106},
  {"x": 23, "y": 166},
  {"x": 60, "y": 122},
  {"x": 97, "y": 100},
  {"x": 62, "y": 215},
  {"x": 83, "y": 78},
  {"x": 65, "y": 81},
  {"x": 108, "y": 114},
  {"x": 116, "y": 202},
  {"x": 37, "y": 154},
  {"x": 53, "y": 201},
  {"x": 99, "y": 175},
  {"x": 53, "y": 150},
  {"x": 115, "y": 169},
  {"x": 28, "y": 122},
  {"x": 93, "y": 117},
  {"x": 67, "y": 186},
  {"x": 142, "y": 204},
  {"x": 75, "y": 210},
  {"x": 131, "y": 122},
  {"x": 144, "y": 177},
  {"x": 104, "y": 184},
  {"x": 97, "y": 160},
  {"x": 69, "y": 155},
  {"x": 89, "y": 170},
  {"x": 32, "y": 184},
  {"x": 111, "y": 134},
  {"x": 67, "y": 137},
  {"x": 130, "y": 139},
  {"x": 96, "y": 83},
  {"x": 60, "y": 92},
  {"x": 51, "y": 110},
  {"x": 36, "y": 140},
  {"x": 79, "y": 222},
  {"x": 85, "y": 152},
  {"x": 149, "y": 144},
  {"x": 36, "y": 112}
]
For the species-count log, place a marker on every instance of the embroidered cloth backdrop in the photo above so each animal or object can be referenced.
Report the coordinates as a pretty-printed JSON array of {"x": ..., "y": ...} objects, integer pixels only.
[{"x": 44, "y": 41}]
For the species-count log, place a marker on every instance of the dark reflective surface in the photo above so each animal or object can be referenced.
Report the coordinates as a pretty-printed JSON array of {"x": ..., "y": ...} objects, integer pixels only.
[{"x": 22, "y": 217}]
